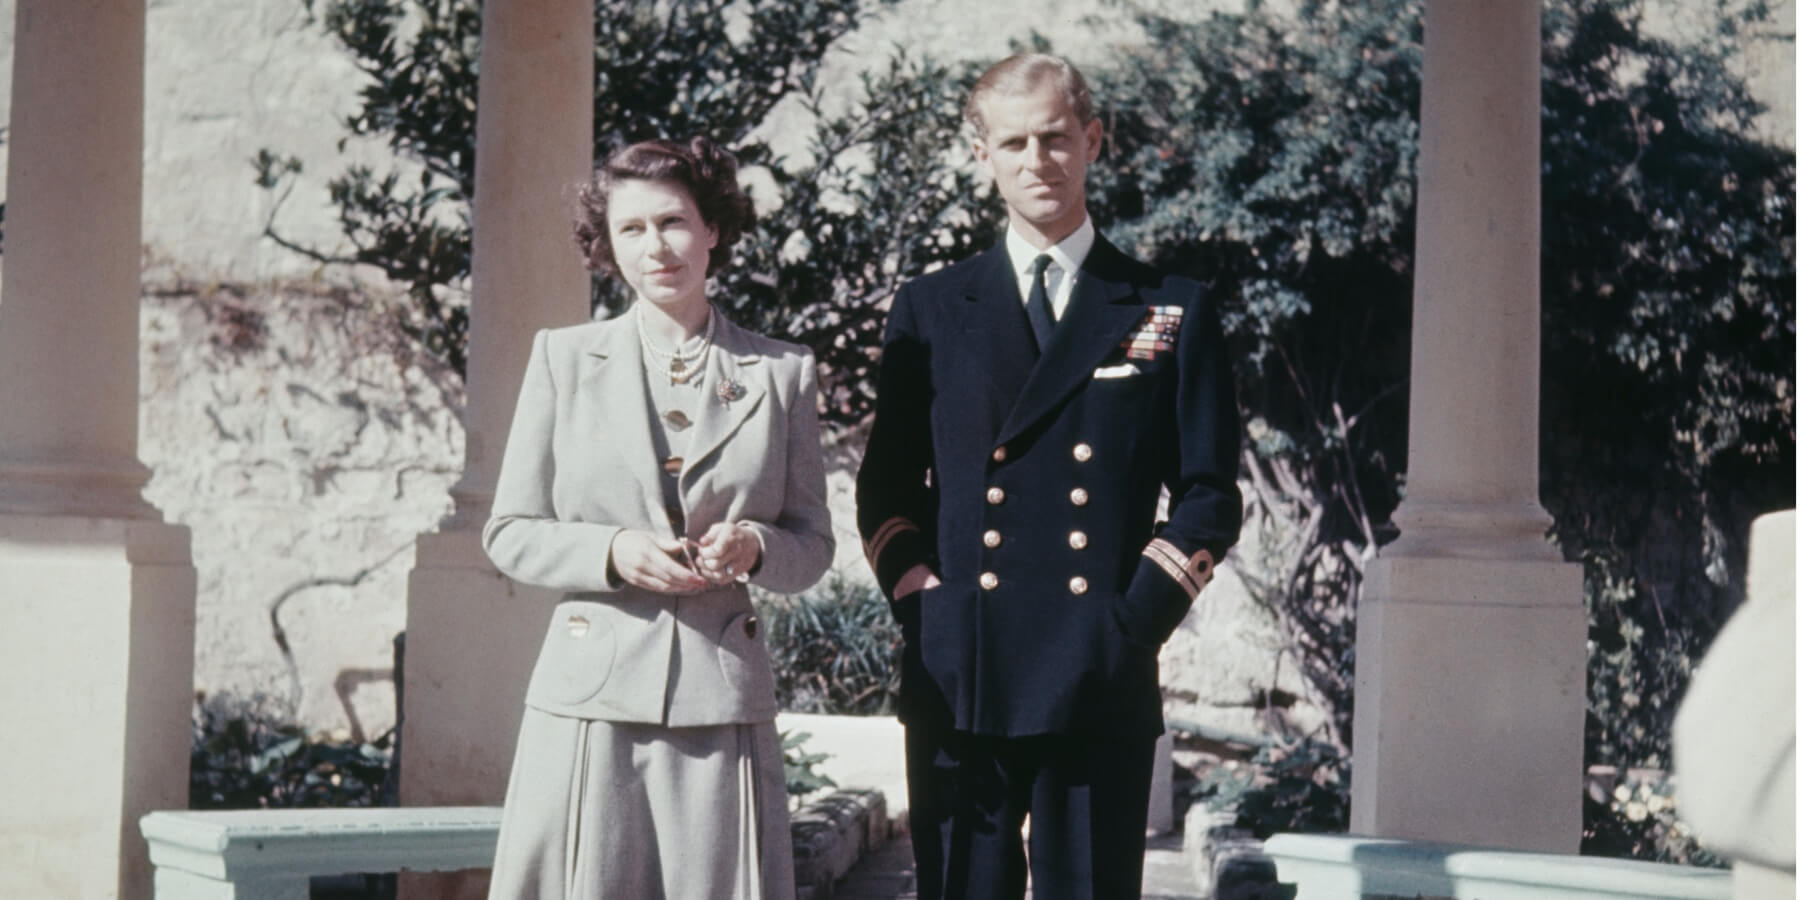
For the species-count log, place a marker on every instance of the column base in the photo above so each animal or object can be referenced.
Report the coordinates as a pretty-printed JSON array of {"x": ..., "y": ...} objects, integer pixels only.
[
  {"x": 1472, "y": 529},
  {"x": 1471, "y": 694},
  {"x": 472, "y": 636},
  {"x": 97, "y": 685},
  {"x": 92, "y": 488}
]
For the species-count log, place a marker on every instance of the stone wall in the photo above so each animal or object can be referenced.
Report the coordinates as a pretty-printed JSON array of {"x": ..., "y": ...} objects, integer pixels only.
[{"x": 291, "y": 428}]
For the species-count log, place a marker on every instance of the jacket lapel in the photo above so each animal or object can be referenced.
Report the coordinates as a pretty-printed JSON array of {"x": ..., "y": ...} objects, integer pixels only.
[
  {"x": 995, "y": 313},
  {"x": 733, "y": 361},
  {"x": 1103, "y": 308},
  {"x": 612, "y": 379}
]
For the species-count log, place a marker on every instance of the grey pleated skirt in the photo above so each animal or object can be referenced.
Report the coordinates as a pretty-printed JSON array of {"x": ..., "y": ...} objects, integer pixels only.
[{"x": 624, "y": 811}]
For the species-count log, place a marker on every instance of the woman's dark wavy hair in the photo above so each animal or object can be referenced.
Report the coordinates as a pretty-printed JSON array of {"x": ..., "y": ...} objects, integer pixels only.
[{"x": 705, "y": 170}]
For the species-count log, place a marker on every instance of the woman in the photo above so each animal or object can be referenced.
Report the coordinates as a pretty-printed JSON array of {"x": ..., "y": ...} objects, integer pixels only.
[{"x": 658, "y": 462}]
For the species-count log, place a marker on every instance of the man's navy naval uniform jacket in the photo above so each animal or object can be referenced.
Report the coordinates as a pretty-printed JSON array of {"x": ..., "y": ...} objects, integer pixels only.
[{"x": 1030, "y": 481}]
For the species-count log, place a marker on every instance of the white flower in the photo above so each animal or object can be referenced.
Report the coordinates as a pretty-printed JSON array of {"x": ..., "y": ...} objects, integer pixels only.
[{"x": 796, "y": 248}]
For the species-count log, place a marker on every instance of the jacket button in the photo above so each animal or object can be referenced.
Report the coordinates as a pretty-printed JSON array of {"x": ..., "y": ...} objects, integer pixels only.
[
  {"x": 1078, "y": 540},
  {"x": 1083, "y": 453},
  {"x": 1078, "y": 585},
  {"x": 991, "y": 538},
  {"x": 999, "y": 454},
  {"x": 996, "y": 496},
  {"x": 578, "y": 626},
  {"x": 989, "y": 581},
  {"x": 1079, "y": 496},
  {"x": 750, "y": 627}
]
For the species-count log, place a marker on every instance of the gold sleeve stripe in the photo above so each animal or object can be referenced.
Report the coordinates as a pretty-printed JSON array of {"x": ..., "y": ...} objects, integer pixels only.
[
  {"x": 892, "y": 528},
  {"x": 1173, "y": 570},
  {"x": 1173, "y": 562},
  {"x": 1190, "y": 572}
]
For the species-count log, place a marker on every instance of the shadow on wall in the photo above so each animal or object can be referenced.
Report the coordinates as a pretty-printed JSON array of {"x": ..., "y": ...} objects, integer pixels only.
[{"x": 346, "y": 685}]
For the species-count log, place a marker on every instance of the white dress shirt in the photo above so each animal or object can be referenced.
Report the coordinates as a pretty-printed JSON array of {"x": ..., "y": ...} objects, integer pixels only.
[{"x": 1065, "y": 262}]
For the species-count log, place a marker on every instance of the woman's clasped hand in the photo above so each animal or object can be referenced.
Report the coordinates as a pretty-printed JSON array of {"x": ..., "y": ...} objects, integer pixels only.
[
  {"x": 654, "y": 563},
  {"x": 726, "y": 553}
]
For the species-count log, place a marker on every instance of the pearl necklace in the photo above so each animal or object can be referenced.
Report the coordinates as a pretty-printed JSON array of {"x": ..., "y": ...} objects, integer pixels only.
[{"x": 681, "y": 366}]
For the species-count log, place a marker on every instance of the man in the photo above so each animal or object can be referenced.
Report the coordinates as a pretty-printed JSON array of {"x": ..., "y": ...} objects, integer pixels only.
[{"x": 1033, "y": 403}]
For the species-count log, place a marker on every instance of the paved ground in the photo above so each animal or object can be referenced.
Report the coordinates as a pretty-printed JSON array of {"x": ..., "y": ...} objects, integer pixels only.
[
  {"x": 887, "y": 874},
  {"x": 868, "y": 752}
]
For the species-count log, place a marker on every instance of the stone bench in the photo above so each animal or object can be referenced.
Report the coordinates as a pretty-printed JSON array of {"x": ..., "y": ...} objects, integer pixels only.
[
  {"x": 261, "y": 854},
  {"x": 273, "y": 854},
  {"x": 1346, "y": 867}
]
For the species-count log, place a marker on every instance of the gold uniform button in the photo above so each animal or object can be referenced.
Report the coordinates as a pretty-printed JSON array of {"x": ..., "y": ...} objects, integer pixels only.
[
  {"x": 996, "y": 496},
  {"x": 1078, "y": 585},
  {"x": 1078, "y": 540},
  {"x": 991, "y": 538},
  {"x": 999, "y": 454},
  {"x": 1083, "y": 453},
  {"x": 1079, "y": 496},
  {"x": 989, "y": 581}
]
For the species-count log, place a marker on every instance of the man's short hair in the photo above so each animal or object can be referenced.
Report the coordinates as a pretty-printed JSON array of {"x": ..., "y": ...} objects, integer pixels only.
[{"x": 1021, "y": 73}]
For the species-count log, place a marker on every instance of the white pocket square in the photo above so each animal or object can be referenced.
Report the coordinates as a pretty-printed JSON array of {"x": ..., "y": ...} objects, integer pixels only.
[{"x": 1122, "y": 370}]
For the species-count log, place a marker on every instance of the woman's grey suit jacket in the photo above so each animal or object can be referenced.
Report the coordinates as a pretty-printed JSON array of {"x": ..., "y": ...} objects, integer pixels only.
[{"x": 579, "y": 467}]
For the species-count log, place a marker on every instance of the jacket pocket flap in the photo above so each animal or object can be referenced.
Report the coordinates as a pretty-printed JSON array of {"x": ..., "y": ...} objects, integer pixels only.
[{"x": 577, "y": 657}]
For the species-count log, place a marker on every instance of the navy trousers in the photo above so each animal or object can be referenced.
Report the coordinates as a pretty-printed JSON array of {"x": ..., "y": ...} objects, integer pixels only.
[{"x": 1087, "y": 795}]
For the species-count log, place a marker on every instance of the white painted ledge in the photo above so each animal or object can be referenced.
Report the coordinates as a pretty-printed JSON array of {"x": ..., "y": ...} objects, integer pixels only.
[
  {"x": 1346, "y": 867},
  {"x": 254, "y": 855},
  {"x": 870, "y": 752}
]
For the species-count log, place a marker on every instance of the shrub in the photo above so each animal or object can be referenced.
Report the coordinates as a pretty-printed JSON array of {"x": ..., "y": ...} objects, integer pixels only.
[
  {"x": 835, "y": 649},
  {"x": 246, "y": 755},
  {"x": 1637, "y": 818},
  {"x": 1301, "y": 787},
  {"x": 798, "y": 766}
]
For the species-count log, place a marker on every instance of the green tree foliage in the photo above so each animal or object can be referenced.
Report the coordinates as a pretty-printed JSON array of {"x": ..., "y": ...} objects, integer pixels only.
[
  {"x": 800, "y": 768},
  {"x": 850, "y": 216},
  {"x": 877, "y": 201},
  {"x": 1273, "y": 157},
  {"x": 1668, "y": 288}
]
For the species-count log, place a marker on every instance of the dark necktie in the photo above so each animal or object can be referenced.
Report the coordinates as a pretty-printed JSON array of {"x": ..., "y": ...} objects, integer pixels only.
[{"x": 1037, "y": 306}]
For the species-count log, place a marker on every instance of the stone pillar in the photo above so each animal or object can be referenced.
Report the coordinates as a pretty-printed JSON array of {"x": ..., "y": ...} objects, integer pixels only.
[
  {"x": 471, "y": 634},
  {"x": 96, "y": 592},
  {"x": 1471, "y": 637}
]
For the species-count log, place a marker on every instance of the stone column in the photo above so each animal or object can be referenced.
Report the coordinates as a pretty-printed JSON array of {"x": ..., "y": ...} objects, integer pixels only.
[
  {"x": 1471, "y": 637},
  {"x": 471, "y": 635},
  {"x": 96, "y": 592}
]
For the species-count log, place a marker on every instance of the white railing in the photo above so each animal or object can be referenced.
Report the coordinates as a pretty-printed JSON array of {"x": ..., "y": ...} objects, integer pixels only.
[
  {"x": 273, "y": 854},
  {"x": 1346, "y": 867}
]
